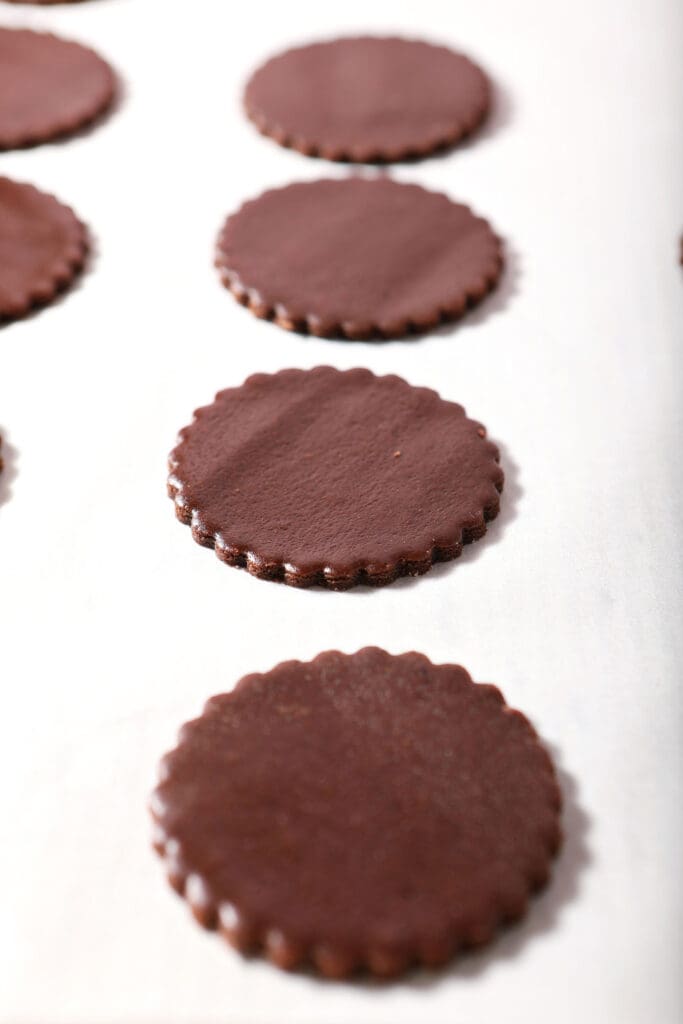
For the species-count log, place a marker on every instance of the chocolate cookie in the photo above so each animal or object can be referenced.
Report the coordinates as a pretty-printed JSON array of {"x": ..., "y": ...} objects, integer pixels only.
[
  {"x": 42, "y": 248},
  {"x": 334, "y": 478},
  {"x": 362, "y": 811},
  {"x": 49, "y": 87},
  {"x": 368, "y": 99},
  {"x": 357, "y": 258}
]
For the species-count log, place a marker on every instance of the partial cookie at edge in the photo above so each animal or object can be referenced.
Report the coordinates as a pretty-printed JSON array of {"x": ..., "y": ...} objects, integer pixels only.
[
  {"x": 54, "y": 87},
  {"x": 43, "y": 248}
]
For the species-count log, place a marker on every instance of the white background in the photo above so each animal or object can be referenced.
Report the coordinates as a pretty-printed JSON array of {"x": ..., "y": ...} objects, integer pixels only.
[{"x": 115, "y": 626}]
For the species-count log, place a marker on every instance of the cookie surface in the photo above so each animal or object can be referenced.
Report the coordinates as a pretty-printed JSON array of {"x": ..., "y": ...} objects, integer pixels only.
[
  {"x": 334, "y": 478},
  {"x": 357, "y": 258},
  {"x": 43, "y": 247},
  {"x": 50, "y": 87},
  {"x": 396, "y": 813},
  {"x": 368, "y": 99}
]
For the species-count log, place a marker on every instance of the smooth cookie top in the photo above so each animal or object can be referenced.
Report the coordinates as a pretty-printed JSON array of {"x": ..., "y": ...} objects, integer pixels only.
[
  {"x": 362, "y": 811},
  {"x": 368, "y": 99},
  {"x": 49, "y": 86},
  {"x": 358, "y": 257},
  {"x": 334, "y": 478}
]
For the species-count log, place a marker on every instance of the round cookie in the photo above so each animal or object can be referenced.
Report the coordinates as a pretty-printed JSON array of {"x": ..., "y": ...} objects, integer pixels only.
[
  {"x": 358, "y": 811},
  {"x": 357, "y": 258},
  {"x": 334, "y": 478},
  {"x": 50, "y": 87},
  {"x": 43, "y": 246},
  {"x": 368, "y": 99}
]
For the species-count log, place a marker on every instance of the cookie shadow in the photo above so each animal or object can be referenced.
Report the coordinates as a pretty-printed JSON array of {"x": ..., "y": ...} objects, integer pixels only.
[
  {"x": 495, "y": 531},
  {"x": 8, "y": 458},
  {"x": 501, "y": 115},
  {"x": 509, "y": 509},
  {"x": 545, "y": 909},
  {"x": 477, "y": 312},
  {"x": 497, "y": 301}
]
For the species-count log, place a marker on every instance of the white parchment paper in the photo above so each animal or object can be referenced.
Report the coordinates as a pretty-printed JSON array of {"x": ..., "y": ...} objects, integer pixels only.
[{"x": 115, "y": 627}]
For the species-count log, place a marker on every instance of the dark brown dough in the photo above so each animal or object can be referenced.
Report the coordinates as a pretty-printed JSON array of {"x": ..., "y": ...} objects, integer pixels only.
[
  {"x": 358, "y": 257},
  {"x": 334, "y": 478},
  {"x": 43, "y": 247},
  {"x": 362, "y": 811},
  {"x": 368, "y": 99},
  {"x": 50, "y": 87}
]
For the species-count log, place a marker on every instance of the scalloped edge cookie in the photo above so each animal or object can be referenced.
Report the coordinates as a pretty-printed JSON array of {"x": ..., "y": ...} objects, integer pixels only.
[
  {"x": 323, "y": 952},
  {"x": 66, "y": 267},
  {"x": 483, "y": 276},
  {"x": 100, "y": 102},
  {"x": 463, "y": 125},
  {"x": 336, "y": 577}
]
